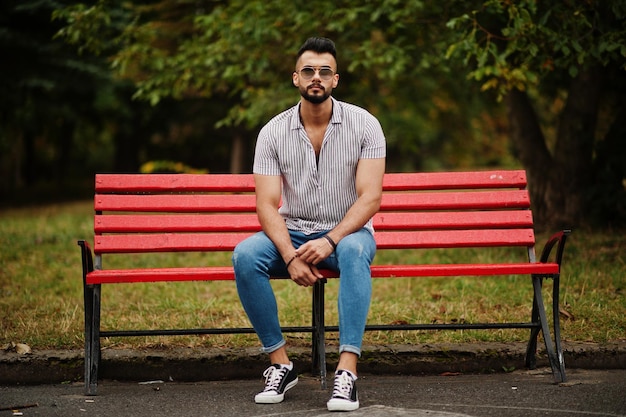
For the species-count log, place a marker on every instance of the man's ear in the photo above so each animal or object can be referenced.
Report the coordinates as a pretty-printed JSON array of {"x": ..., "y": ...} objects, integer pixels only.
[{"x": 294, "y": 79}]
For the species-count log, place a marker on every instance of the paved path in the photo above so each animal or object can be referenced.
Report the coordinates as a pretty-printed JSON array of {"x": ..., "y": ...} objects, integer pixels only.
[{"x": 587, "y": 393}]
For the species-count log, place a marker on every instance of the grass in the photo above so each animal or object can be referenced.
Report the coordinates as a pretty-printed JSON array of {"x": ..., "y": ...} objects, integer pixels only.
[{"x": 41, "y": 292}]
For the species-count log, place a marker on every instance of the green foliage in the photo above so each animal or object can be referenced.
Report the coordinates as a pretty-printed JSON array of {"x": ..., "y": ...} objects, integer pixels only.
[
  {"x": 514, "y": 45},
  {"x": 79, "y": 16},
  {"x": 152, "y": 167},
  {"x": 238, "y": 47},
  {"x": 390, "y": 62},
  {"x": 218, "y": 70}
]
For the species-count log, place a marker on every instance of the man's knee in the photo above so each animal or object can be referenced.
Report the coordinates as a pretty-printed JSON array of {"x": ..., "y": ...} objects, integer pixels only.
[
  {"x": 240, "y": 252},
  {"x": 252, "y": 245},
  {"x": 360, "y": 244},
  {"x": 254, "y": 255},
  {"x": 245, "y": 252}
]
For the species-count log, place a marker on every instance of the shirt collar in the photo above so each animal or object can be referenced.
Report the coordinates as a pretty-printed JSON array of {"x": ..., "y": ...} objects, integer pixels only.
[{"x": 335, "y": 118}]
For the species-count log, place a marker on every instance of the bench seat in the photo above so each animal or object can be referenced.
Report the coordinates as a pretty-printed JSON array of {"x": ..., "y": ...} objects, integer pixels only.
[{"x": 225, "y": 273}]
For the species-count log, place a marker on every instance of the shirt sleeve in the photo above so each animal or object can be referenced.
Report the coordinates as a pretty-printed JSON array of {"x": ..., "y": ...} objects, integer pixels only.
[
  {"x": 374, "y": 145},
  {"x": 265, "y": 155}
]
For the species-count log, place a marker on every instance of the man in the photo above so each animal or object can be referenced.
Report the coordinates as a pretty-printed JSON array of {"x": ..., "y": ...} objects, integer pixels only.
[{"x": 325, "y": 160}]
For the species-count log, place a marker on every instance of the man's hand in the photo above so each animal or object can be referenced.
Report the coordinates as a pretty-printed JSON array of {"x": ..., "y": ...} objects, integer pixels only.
[
  {"x": 315, "y": 251},
  {"x": 303, "y": 273},
  {"x": 303, "y": 270}
]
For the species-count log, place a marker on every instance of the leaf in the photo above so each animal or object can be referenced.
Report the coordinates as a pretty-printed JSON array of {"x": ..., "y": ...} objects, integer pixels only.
[
  {"x": 565, "y": 49},
  {"x": 450, "y": 50},
  {"x": 491, "y": 83},
  {"x": 566, "y": 314},
  {"x": 483, "y": 58},
  {"x": 22, "y": 349},
  {"x": 533, "y": 49}
]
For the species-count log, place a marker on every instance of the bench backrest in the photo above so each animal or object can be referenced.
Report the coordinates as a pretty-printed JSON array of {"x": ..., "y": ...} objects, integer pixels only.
[{"x": 138, "y": 213}]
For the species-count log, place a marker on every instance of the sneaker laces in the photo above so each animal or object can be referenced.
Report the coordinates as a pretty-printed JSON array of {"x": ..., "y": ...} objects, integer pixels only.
[
  {"x": 343, "y": 386},
  {"x": 273, "y": 376}
]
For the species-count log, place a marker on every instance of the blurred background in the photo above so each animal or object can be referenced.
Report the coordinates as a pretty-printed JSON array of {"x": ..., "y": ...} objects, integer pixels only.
[{"x": 184, "y": 86}]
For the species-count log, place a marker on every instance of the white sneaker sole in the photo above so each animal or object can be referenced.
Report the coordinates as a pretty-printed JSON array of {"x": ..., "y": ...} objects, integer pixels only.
[
  {"x": 342, "y": 405},
  {"x": 266, "y": 398}
]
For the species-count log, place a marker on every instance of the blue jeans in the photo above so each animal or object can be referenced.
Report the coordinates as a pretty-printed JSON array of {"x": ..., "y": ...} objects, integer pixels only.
[{"x": 256, "y": 259}]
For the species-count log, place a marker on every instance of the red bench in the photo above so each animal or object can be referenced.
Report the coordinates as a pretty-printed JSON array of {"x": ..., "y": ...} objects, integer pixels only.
[{"x": 137, "y": 213}]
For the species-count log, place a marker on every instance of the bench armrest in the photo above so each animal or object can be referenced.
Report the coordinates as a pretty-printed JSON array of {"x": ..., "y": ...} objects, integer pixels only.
[
  {"x": 86, "y": 256},
  {"x": 557, "y": 239}
]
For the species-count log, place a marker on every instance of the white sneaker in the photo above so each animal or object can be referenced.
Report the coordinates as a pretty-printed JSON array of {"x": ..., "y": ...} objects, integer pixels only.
[
  {"x": 278, "y": 379},
  {"x": 345, "y": 397}
]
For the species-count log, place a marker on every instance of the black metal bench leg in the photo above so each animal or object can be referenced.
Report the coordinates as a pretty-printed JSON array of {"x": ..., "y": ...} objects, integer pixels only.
[
  {"x": 318, "y": 337},
  {"x": 92, "y": 337},
  {"x": 531, "y": 349},
  {"x": 557, "y": 327},
  {"x": 545, "y": 329}
]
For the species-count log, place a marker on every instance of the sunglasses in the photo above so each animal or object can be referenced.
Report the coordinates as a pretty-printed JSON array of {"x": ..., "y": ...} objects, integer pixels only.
[{"x": 309, "y": 72}]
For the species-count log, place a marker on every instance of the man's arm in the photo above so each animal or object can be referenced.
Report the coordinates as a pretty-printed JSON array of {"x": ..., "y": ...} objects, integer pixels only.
[
  {"x": 268, "y": 193},
  {"x": 369, "y": 188}
]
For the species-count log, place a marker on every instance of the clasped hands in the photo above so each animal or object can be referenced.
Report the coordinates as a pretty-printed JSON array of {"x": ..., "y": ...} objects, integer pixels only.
[{"x": 303, "y": 267}]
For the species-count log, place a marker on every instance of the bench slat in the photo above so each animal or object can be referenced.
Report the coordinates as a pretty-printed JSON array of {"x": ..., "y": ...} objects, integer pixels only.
[
  {"x": 169, "y": 242},
  {"x": 457, "y": 270},
  {"x": 467, "y": 200},
  {"x": 183, "y": 203},
  {"x": 123, "y": 183},
  {"x": 452, "y": 220},
  {"x": 378, "y": 271},
  {"x": 454, "y": 180},
  {"x": 176, "y": 223},
  {"x": 429, "y": 239},
  {"x": 110, "y": 183},
  {"x": 187, "y": 203},
  {"x": 249, "y": 222}
]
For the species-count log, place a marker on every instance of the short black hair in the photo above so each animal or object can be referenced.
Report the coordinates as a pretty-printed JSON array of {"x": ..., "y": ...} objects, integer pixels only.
[{"x": 318, "y": 45}]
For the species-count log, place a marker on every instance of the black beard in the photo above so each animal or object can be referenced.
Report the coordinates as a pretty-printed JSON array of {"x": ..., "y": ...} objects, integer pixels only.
[{"x": 315, "y": 99}]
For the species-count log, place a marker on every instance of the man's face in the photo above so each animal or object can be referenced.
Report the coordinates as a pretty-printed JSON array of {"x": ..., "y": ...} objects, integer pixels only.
[{"x": 315, "y": 76}]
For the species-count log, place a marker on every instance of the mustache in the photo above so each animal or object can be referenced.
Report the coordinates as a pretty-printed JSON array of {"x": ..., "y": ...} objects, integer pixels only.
[{"x": 316, "y": 85}]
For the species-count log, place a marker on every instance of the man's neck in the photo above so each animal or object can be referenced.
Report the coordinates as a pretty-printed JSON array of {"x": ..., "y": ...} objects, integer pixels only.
[{"x": 316, "y": 114}]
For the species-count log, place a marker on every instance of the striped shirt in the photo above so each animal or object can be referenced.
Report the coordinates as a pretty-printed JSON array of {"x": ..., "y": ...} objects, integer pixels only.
[{"x": 316, "y": 194}]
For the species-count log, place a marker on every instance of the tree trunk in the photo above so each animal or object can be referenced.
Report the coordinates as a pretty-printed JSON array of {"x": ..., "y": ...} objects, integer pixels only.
[
  {"x": 530, "y": 146},
  {"x": 559, "y": 184},
  {"x": 237, "y": 154},
  {"x": 609, "y": 171},
  {"x": 567, "y": 195}
]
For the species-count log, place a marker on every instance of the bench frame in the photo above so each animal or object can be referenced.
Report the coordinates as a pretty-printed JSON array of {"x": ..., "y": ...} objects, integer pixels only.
[{"x": 407, "y": 198}]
